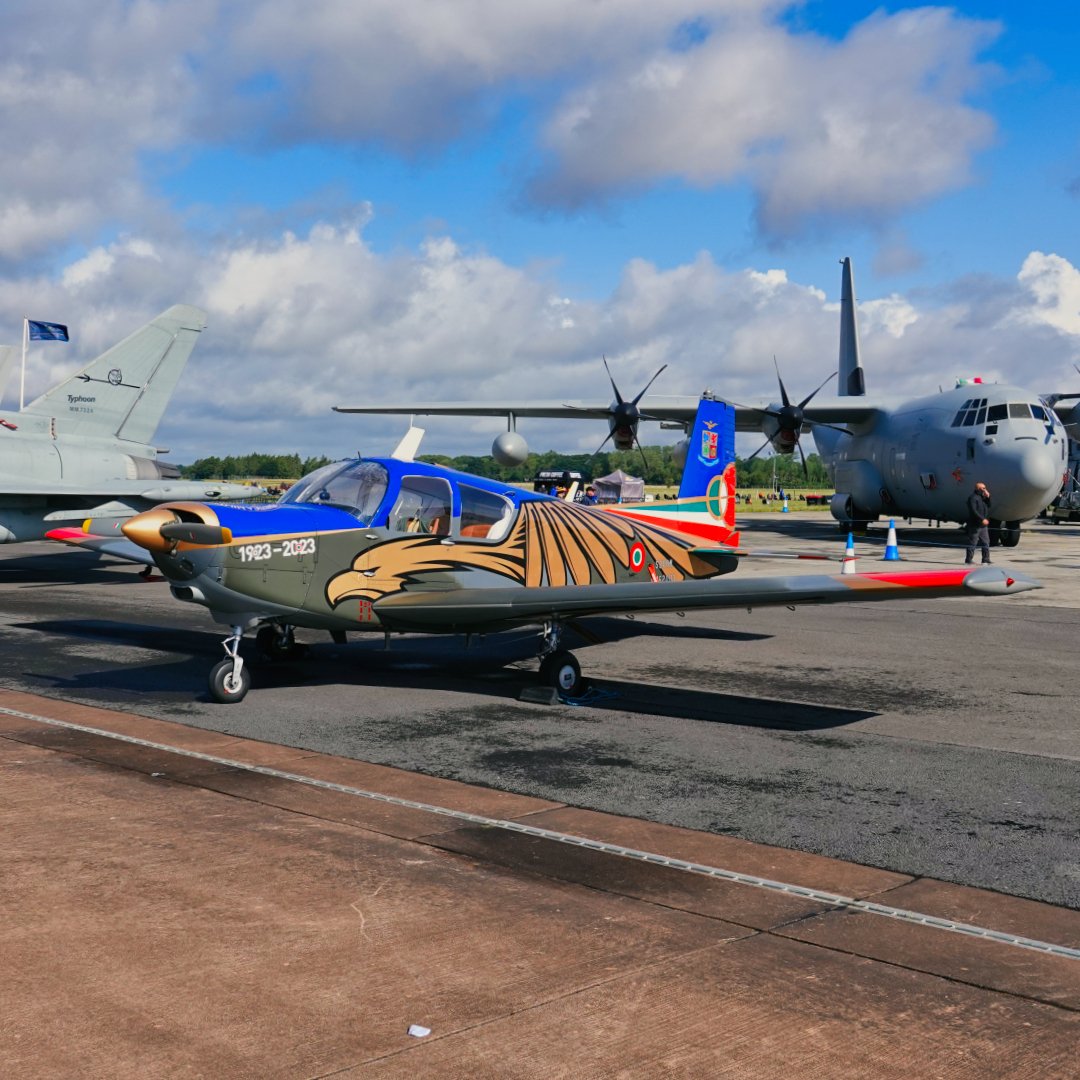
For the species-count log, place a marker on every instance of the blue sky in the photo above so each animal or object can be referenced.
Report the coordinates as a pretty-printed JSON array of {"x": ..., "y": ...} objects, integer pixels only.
[{"x": 475, "y": 199}]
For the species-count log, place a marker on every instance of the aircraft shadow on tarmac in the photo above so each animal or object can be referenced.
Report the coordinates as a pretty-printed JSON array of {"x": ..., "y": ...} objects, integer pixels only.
[
  {"x": 68, "y": 568},
  {"x": 495, "y": 670}
]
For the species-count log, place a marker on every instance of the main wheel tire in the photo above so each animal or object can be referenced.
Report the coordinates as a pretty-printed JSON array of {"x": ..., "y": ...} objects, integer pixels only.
[
  {"x": 562, "y": 671},
  {"x": 224, "y": 687},
  {"x": 269, "y": 641},
  {"x": 1010, "y": 535}
]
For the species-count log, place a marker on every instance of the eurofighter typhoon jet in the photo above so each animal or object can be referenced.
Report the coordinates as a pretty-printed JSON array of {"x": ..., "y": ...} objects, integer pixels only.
[
  {"x": 83, "y": 449},
  {"x": 886, "y": 455}
]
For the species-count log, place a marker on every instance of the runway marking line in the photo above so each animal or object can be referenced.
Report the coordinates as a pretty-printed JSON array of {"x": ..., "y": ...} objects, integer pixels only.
[{"x": 833, "y": 899}]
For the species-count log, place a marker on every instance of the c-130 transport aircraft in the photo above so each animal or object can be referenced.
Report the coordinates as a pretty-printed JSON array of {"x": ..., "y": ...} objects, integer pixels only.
[
  {"x": 886, "y": 455},
  {"x": 395, "y": 545}
]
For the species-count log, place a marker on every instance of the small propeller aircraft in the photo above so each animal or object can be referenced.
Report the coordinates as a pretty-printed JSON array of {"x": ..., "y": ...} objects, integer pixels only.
[
  {"x": 395, "y": 545},
  {"x": 887, "y": 455}
]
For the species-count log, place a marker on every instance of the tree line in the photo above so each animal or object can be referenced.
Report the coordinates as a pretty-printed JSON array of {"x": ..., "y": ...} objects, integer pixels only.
[
  {"x": 656, "y": 466},
  {"x": 247, "y": 466}
]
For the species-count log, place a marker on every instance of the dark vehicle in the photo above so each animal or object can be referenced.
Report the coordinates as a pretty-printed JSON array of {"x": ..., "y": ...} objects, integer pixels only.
[{"x": 549, "y": 481}]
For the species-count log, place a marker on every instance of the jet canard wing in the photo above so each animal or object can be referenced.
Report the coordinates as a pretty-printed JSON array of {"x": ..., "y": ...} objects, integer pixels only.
[{"x": 463, "y": 610}]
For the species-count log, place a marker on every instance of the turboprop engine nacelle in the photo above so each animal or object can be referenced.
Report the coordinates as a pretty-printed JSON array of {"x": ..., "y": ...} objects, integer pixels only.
[
  {"x": 859, "y": 490},
  {"x": 783, "y": 439},
  {"x": 679, "y": 452}
]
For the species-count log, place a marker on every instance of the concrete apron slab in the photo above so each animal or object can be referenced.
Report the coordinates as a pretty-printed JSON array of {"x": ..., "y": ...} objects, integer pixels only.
[{"x": 213, "y": 920}]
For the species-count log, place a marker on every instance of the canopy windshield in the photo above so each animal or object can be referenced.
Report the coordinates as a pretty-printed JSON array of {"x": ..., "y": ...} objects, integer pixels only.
[{"x": 357, "y": 486}]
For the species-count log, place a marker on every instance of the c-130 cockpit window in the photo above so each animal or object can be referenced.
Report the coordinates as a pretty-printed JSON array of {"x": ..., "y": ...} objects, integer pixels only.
[
  {"x": 975, "y": 412},
  {"x": 357, "y": 486}
]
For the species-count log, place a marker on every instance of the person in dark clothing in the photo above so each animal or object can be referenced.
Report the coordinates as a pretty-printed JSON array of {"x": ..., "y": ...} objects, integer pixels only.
[{"x": 978, "y": 523}]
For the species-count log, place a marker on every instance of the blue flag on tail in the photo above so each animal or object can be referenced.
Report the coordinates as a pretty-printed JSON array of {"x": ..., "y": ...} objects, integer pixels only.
[{"x": 47, "y": 331}]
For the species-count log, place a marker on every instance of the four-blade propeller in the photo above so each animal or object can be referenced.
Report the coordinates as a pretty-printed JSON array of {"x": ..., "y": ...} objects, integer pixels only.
[
  {"x": 625, "y": 416},
  {"x": 790, "y": 420}
]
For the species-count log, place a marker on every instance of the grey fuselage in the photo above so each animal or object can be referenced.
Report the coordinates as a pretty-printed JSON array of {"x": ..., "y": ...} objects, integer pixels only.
[{"x": 921, "y": 458}]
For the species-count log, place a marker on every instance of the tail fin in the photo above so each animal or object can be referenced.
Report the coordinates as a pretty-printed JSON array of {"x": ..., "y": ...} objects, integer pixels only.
[
  {"x": 850, "y": 382},
  {"x": 123, "y": 393},
  {"x": 7, "y": 362},
  {"x": 705, "y": 507}
]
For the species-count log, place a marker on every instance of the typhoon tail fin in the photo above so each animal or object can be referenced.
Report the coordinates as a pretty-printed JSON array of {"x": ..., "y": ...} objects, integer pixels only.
[
  {"x": 7, "y": 362},
  {"x": 705, "y": 506},
  {"x": 123, "y": 393},
  {"x": 850, "y": 382}
]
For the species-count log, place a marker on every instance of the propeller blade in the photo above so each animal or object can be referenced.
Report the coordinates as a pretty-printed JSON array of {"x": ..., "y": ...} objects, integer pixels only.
[
  {"x": 618, "y": 396},
  {"x": 821, "y": 423},
  {"x": 783, "y": 393},
  {"x": 805, "y": 469},
  {"x": 756, "y": 408},
  {"x": 648, "y": 384},
  {"x": 766, "y": 443},
  {"x": 602, "y": 445},
  {"x": 644, "y": 459},
  {"x": 190, "y": 532},
  {"x": 806, "y": 400}
]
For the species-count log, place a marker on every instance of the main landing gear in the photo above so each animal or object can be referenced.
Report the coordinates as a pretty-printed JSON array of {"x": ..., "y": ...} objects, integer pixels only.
[
  {"x": 230, "y": 679},
  {"x": 278, "y": 643},
  {"x": 1005, "y": 533},
  {"x": 559, "y": 667}
]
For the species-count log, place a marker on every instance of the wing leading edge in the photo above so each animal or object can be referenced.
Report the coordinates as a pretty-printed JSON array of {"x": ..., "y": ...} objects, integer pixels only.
[
  {"x": 492, "y": 609},
  {"x": 672, "y": 409}
]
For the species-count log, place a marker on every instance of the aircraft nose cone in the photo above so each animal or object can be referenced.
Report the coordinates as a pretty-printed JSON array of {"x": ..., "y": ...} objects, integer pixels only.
[
  {"x": 1041, "y": 468},
  {"x": 145, "y": 529}
]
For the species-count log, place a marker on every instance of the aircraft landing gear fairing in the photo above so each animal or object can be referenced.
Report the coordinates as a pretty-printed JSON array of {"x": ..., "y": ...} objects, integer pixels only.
[
  {"x": 559, "y": 667},
  {"x": 229, "y": 679}
]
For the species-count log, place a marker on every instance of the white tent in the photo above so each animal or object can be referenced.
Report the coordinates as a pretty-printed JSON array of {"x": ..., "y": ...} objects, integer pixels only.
[{"x": 619, "y": 487}]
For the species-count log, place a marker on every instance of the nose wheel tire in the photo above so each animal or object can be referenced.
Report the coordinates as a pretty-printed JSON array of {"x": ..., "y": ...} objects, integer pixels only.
[
  {"x": 562, "y": 671},
  {"x": 227, "y": 686}
]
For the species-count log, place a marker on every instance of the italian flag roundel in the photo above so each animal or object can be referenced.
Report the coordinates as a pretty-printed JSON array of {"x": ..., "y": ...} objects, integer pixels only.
[{"x": 637, "y": 557}]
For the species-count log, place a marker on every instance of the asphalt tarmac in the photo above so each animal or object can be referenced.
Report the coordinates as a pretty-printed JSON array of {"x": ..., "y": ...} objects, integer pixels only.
[{"x": 935, "y": 739}]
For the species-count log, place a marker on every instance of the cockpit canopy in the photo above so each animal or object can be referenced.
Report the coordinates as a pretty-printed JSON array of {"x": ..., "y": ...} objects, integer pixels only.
[
  {"x": 976, "y": 411},
  {"x": 424, "y": 501},
  {"x": 357, "y": 486}
]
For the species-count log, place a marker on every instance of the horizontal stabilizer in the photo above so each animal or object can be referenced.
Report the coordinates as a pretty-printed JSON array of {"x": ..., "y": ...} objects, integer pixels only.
[{"x": 724, "y": 559}]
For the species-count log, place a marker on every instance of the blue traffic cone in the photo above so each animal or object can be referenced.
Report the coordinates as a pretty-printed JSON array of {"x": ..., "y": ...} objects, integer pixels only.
[
  {"x": 892, "y": 552},
  {"x": 849, "y": 556},
  {"x": 785, "y": 510}
]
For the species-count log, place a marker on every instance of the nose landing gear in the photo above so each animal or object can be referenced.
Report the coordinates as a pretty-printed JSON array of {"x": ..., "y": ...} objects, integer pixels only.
[{"x": 229, "y": 679}]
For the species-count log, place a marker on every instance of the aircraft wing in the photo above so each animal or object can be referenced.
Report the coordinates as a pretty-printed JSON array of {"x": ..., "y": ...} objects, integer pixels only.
[
  {"x": 119, "y": 547},
  {"x": 160, "y": 489},
  {"x": 685, "y": 408},
  {"x": 488, "y": 609},
  {"x": 672, "y": 409}
]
